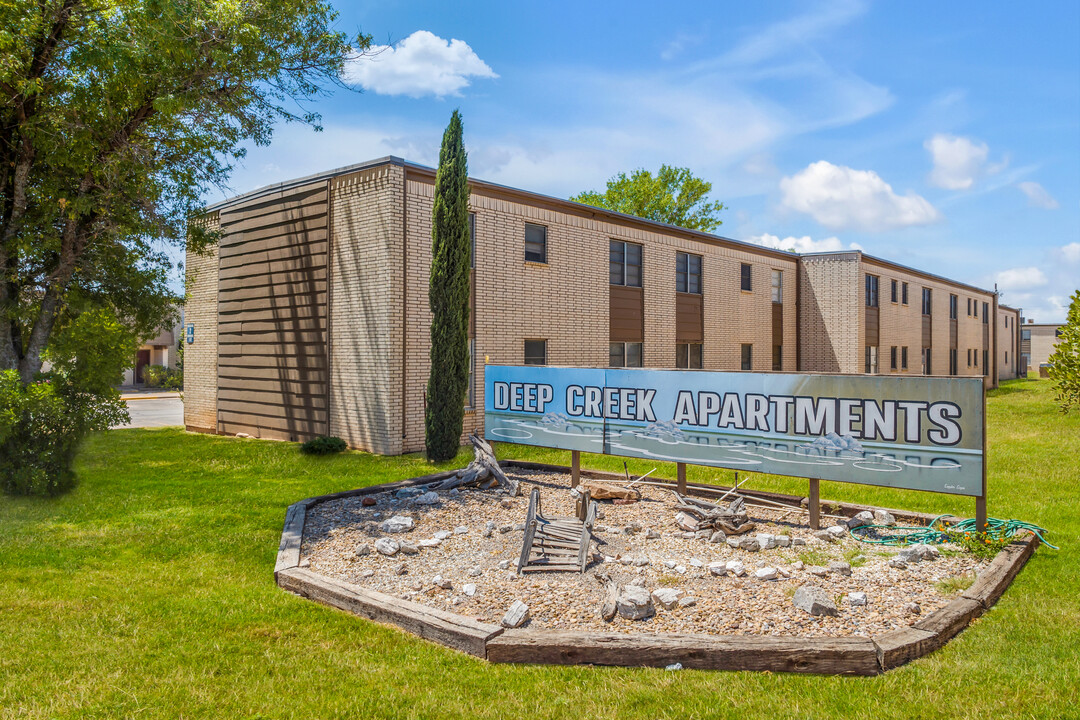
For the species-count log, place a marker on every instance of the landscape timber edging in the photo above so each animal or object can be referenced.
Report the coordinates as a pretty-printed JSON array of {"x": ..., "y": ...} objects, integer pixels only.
[{"x": 823, "y": 656}]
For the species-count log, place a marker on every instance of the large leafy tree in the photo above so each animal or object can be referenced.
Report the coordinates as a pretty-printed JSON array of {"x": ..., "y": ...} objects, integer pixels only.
[
  {"x": 116, "y": 116},
  {"x": 448, "y": 294},
  {"x": 1065, "y": 360},
  {"x": 673, "y": 196}
]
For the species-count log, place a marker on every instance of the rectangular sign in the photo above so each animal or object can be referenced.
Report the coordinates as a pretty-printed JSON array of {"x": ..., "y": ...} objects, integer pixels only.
[{"x": 913, "y": 432}]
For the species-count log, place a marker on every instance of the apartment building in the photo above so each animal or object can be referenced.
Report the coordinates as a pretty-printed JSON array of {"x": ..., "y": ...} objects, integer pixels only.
[
  {"x": 1037, "y": 343},
  {"x": 311, "y": 315}
]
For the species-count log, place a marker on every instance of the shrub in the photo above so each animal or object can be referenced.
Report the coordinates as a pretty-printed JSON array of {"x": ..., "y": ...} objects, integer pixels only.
[
  {"x": 159, "y": 376},
  {"x": 323, "y": 446},
  {"x": 41, "y": 427}
]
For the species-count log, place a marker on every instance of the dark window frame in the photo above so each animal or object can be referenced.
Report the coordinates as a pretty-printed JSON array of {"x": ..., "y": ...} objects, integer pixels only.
[
  {"x": 903, "y": 294},
  {"x": 685, "y": 356},
  {"x": 895, "y": 290},
  {"x": 625, "y": 354},
  {"x": 746, "y": 277},
  {"x": 903, "y": 358},
  {"x": 542, "y": 241},
  {"x": 927, "y": 301},
  {"x": 778, "y": 358},
  {"x": 954, "y": 306},
  {"x": 872, "y": 285},
  {"x": 526, "y": 355},
  {"x": 892, "y": 357},
  {"x": 685, "y": 274},
  {"x": 624, "y": 263},
  {"x": 746, "y": 356}
]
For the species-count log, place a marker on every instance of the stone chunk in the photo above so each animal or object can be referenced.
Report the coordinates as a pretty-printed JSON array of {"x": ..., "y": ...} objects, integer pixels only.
[
  {"x": 475, "y": 571},
  {"x": 736, "y": 568},
  {"x": 651, "y": 534},
  {"x": 634, "y": 603},
  {"x": 857, "y": 598},
  {"x": 717, "y": 568},
  {"x": 750, "y": 544},
  {"x": 840, "y": 568},
  {"x": 817, "y": 571},
  {"x": 766, "y": 541},
  {"x": 408, "y": 548},
  {"x": 898, "y": 563},
  {"x": 362, "y": 550},
  {"x": 443, "y": 534},
  {"x": 685, "y": 602},
  {"x": 837, "y": 531},
  {"x": 386, "y": 546},
  {"x": 863, "y": 518},
  {"x": 516, "y": 615},
  {"x": 428, "y": 498},
  {"x": 782, "y": 541},
  {"x": 610, "y": 608},
  {"x": 796, "y": 542},
  {"x": 368, "y": 501},
  {"x": 884, "y": 517},
  {"x": 460, "y": 530},
  {"x": 815, "y": 601},
  {"x": 718, "y": 537},
  {"x": 686, "y": 522},
  {"x": 430, "y": 542},
  {"x": 442, "y": 582},
  {"x": 824, "y": 536},
  {"x": 469, "y": 589},
  {"x": 397, "y": 524},
  {"x": 765, "y": 573},
  {"x": 666, "y": 598}
]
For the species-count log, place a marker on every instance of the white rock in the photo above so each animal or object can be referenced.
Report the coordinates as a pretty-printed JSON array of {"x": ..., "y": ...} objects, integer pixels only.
[
  {"x": 733, "y": 542},
  {"x": 407, "y": 548},
  {"x": 736, "y": 568},
  {"x": 686, "y": 522},
  {"x": 475, "y": 571},
  {"x": 516, "y": 615},
  {"x": 387, "y": 546},
  {"x": 863, "y": 518},
  {"x": 815, "y": 601},
  {"x": 837, "y": 531},
  {"x": 503, "y": 564},
  {"x": 817, "y": 571},
  {"x": 765, "y": 573},
  {"x": 428, "y": 498},
  {"x": 782, "y": 541},
  {"x": 766, "y": 541},
  {"x": 670, "y": 564},
  {"x": 430, "y": 542},
  {"x": 840, "y": 568},
  {"x": 443, "y": 534},
  {"x": 489, "y": 525},
  {"x": 857, "y": 598},
  {"x": 696, "y": 563},
  {"x": 674, "y": 667},
  {"x": 897, "y": 563},
  {"x": 681, "y": 569},
  {"x": 635, "y": 603},
  {"x": 640, "y": 562},
  {"x": 783, "y": 572},
  {"x": 469, "y": 589},
  {"x": 366, "y": 573},
  {"x": 666, "y": 598},
  {"x": 460, "y": 530},
  {"x": 796, "y": 542},
  {"x": 884, "y": 517},
  {"x": 687, "y": 602},
  {"x": 717, "y": 568},
  {"x": 442, "y": 582},
  {"x": 397, "y": 524},
  {"x": 798, "y": 565}
]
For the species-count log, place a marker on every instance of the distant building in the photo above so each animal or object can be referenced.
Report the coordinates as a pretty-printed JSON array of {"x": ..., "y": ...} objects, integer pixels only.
[
  {"x": 1037, "y": 343},
  {"x": 311, "y": 316},
  {"x": 159, "y": 350}
]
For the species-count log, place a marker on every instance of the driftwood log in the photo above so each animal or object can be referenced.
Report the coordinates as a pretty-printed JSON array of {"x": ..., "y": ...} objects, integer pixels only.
[
  {"x": 484, "y": 470},
  {"x": 697, "y": 514}
]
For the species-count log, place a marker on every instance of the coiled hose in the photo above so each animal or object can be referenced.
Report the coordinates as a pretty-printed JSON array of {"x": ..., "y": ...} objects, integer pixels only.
[{"x": 913, "y": 534}]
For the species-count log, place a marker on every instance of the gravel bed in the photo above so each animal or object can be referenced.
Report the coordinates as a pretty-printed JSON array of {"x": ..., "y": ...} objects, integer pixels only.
[{"x": 339, "y": 542}]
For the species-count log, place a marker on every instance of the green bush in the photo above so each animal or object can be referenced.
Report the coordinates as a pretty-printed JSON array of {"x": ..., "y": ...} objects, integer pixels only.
[
  {"x": 323, "y": 446},
  {"x": 159, "y": 376},
  {"x": 41, "y": 428}
]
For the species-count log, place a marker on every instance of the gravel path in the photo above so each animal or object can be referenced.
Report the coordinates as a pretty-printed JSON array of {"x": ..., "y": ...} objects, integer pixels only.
[{"x": 339, "y": 542}]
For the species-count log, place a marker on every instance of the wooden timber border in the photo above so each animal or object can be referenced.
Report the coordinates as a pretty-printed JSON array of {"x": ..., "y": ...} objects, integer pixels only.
[{"x": 823, "y": 656}]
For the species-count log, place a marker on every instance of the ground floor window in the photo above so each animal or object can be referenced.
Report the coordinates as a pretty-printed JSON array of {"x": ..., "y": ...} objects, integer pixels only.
[
  {"x": 688, "y": 355},
  {"x": 903, "y": 358},
  {"x": 926, "y": 369},
  {"x": 986, "y": 358},
  {"x": 747, "y": 354},
  {"x": 624, "y": 354},
  {"x": 871, "y": 360},
  {"x": 778, "y": 357},
  {"x": 953, "y": 365},
  {"x": 892, "y": 358},
  {"x": 536, "y": 352}
]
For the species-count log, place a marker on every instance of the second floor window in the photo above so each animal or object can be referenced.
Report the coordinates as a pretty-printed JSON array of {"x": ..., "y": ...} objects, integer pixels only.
[
  {"x": 688, "y": 273},
  {"x": 535, "y": 243},
  {"x": 624, "y": 263},
  {"x": 927, "y": 301},
  {"x": 953, "y": 310},
  {"x": 778, "y": 286},
  {"x": 903, "y": 294},
  {"x": 744, "y": 278},
  {"x": 871, "y": 291},
  {"x": 894, "y": 291}
]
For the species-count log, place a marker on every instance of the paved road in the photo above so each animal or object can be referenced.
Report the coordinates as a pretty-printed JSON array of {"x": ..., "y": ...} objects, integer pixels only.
[{"x": 155, "y": 412}]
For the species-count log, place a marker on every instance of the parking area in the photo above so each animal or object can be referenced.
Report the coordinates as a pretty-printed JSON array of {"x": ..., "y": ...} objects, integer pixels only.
[{"x": 154, "y": 410}]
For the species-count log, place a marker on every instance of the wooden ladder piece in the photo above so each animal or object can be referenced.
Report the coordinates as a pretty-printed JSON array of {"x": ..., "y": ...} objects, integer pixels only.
[{"x": 556, "y": 544}]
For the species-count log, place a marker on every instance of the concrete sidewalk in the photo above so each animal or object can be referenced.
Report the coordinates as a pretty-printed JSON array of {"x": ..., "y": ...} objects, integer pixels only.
[{"x": 147, "y": 393}]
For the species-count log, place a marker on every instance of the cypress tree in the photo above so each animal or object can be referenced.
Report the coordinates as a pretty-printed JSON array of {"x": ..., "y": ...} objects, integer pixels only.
[{"x": 448, "y": 294}]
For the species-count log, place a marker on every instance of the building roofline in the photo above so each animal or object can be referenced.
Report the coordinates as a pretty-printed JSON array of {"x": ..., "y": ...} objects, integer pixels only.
[
  {"x": 526, "y": 195},
  {"x": 898, "y": 266}
]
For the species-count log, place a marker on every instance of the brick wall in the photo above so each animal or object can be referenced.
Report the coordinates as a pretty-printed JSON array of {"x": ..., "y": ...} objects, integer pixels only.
[
  {"x": 366, "y": 311},
  {"x": 200, "y": 357},
  {"x": 830, "y": 314}
]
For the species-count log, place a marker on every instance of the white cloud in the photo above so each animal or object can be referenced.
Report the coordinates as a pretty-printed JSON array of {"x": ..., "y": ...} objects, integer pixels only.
[
  {"x": 958, "y": 162},
  {"x": 840, "y": 197},
  {"x": 1071, "y": 252},
  {"x": 804, "y": 244},
  {"x": 421, "y": 64},
  {"x": 1020, "y": 278},
  {"x": 1037, "y": 195}
]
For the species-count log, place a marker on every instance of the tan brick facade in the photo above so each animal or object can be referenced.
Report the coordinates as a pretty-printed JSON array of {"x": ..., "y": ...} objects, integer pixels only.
[
  {"x": 379, "y": 319},
  {"x": 200, "y": 357}
]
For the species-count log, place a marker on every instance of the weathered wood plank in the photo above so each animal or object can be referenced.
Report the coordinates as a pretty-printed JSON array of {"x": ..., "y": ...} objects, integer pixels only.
[
  {"x": 291, "y": 536},
  {"x": 835, "y": 656},
  {"x": 295, "y": 276},
  {"x": 901, "y": 646},
  {"x": 256, "y": 268},
  {"x": 951, "y": 619},
  {"x": 992, "y": 582},
  {"x": 456, "y": 631},
  {"x": 315, "y": 247}
]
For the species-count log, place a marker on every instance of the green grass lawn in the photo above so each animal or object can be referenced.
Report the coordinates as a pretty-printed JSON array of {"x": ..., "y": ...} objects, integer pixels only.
[{"x": 149, "y": 592}]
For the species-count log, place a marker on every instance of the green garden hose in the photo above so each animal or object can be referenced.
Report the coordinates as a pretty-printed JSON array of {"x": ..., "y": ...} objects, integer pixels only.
[{"x": 913, "y": 534}]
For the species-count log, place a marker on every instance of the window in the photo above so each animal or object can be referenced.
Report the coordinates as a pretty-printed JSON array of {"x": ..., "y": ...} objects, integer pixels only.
[
  {"x": 895, "y": 290},
  {"x": 1006, "y": 357},
  {"x": 536, "y": 352},
  {"x": 1006, "y": 322},
  {"x": 903, "y": 294},
  {"x": 745, "y": 277},
  {"x": 927, "y": 301},
  {"x": 969, "y": 307},
  {"x": 969, "y": 357},
  {"x": 871, "y": 291},
  {"x": 472, "y": 240},
  {"x": 953, "y": 369},
  {"x": 624, "y": 354},
  {"x": 903, "y": 358},
  {"x": 1025, "y": 334},
  {"x": 625, "y": 263},
  {"x": 986, "y": 313},
  {"x": 747, "y": 351},
  {"x": 953, "y": 306},
  {"x": 777, "y": 357},
  {"x": 892, "y": 358},
  {"x": 535, "y": 243},
  {"x": 926, "y": 369},
  {"x": 1057, "y": 332},
  {"x": 688, "y": 355},
  {"x": 986, "y": 361},
  {"x": 975, "y": 356},
  {"x": 975, "y": 308},
  {"x": 688, "y": 273},
  {"x": 778, "y": 286},
  {"x": 871, "y": 359}
]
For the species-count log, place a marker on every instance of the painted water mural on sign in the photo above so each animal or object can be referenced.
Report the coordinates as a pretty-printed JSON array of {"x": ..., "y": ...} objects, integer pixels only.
[{"x": 914, "y": 433}]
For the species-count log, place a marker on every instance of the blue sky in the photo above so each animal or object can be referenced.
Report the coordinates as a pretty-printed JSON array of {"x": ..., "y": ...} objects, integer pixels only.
[{"x": 940, "y": 135}]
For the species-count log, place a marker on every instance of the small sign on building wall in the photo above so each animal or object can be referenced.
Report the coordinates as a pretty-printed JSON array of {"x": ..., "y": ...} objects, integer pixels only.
[{"x": 190, "y": 333}]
